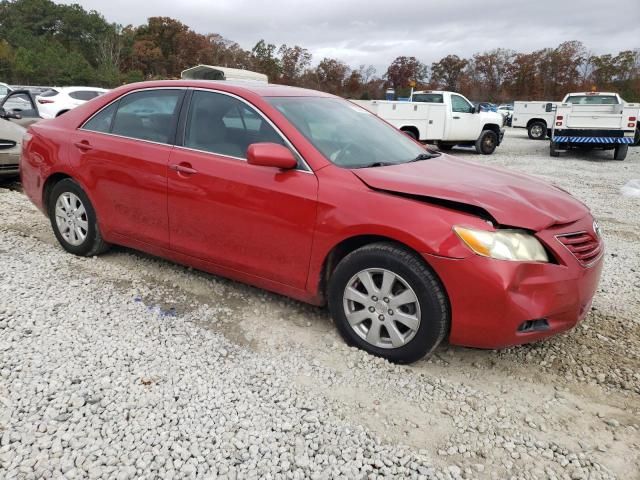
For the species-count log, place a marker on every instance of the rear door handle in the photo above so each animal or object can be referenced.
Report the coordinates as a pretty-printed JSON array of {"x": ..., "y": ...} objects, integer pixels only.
[
  {"x": 83, "y": 145},
  {"x": 184, "y": 168}
]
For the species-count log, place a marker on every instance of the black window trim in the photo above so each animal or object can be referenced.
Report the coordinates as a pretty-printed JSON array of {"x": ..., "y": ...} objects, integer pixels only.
[
  {"x": 182, "y": 125},
  {"x": 172, "y": 137}
]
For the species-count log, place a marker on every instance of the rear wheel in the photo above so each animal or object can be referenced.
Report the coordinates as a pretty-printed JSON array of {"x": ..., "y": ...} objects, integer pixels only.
[
  {"x": 385, "y": 300},
  {"x": 537, "y": 130},
  {"x": 74, "y": 220},
  {"x": 553, "y": 149},
  {"x": 620, "y": 152},
  {"x": 487, "y": 142},
  {"x": 410, "y": 133},
  {"x": 636, "y": 139}
]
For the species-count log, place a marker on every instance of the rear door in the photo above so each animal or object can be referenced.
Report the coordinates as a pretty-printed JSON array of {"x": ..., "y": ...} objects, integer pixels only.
[
  {"x": 252, "y": 219},
  {"x": 121, "y": 153}
]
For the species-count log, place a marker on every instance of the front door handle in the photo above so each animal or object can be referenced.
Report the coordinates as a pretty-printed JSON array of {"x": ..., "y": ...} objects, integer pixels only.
[
  {"x": 456, "y": 118},
  {"x": 184, "y": 168},
  {"x": 83, "y": 145}
]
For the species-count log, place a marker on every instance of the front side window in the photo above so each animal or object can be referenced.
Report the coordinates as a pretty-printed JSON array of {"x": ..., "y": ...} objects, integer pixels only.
[
  {"x": 347, "y": 135},
  {"x": 222, "y": 124},
  {"x": 460, "y": 105},
  {"x": 148, "y": 115}
]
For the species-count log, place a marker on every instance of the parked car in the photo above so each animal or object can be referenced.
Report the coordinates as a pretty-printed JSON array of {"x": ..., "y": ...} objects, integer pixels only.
[
  {"x": 445, "y": 118},
  {"x": 56, "y": 101},
  {"x": 10, "y": 144},
  {"x": 310, "y": 196}
]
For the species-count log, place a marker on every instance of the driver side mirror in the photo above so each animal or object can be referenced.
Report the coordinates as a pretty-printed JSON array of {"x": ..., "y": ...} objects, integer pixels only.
[
  {"x": 548, "y": 107},
  {"x": 476, "y": 109},
  {"x": 271, "y": 155}
]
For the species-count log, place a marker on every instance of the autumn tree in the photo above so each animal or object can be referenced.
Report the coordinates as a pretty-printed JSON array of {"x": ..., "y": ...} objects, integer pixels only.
[
  {"x": 293, "y": 61},
  {"x": 448, "y": 71},
  {"x": 404, "y": 70},
  {"x": 331, "y": 74},
  {"x": 264, "y": 60}
]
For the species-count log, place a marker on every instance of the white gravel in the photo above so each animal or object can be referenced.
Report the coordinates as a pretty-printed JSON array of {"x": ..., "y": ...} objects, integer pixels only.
[{"x": 127, "y": 366}]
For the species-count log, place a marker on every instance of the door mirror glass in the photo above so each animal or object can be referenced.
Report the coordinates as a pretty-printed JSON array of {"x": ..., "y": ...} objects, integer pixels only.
[
  {"x": 548, "y": 107},
  {"x": 271, "y": 155}
]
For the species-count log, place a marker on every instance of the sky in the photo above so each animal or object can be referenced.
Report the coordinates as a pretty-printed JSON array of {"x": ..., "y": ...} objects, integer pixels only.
[{"x": 374, "y": 32}]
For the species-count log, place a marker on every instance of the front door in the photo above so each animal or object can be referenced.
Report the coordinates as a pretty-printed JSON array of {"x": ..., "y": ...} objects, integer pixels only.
[
  {"x": 256, "y": 220},
  {"x": 464, "y": 122},
  {"x": 22, "y": 103}
]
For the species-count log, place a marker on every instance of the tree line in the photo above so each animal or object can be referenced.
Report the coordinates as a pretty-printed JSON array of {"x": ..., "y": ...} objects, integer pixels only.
[{"x": 43, "y": 43}]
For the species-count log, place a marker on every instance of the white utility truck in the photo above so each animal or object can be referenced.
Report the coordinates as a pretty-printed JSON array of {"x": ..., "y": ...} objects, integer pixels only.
[
  {"x": 592, "y": 120},
  {"x": 444, "y": 118},
  {"x": 534, "y": 117}
]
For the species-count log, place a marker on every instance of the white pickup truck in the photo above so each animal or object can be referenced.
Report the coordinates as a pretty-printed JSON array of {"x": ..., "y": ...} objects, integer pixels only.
[
  {"x": 534, "y": 117},
  {"x": 444, "y": 118},
  {"x": 594, "y": 120}
]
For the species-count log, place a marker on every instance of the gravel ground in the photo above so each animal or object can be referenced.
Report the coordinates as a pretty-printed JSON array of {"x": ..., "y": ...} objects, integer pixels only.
[{"x": 127, "y": 366}]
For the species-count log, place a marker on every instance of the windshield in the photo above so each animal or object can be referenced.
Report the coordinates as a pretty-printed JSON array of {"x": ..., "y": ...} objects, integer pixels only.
[
  {"x": 347, "y": 135},
  {"x": 592, "y": 100}
]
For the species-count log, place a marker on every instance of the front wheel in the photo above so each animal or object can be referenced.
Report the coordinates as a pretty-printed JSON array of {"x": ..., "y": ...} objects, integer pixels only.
[
  {"x": 74, "y": 220},
  {"x": 620, "y": 152},
  {"x": 487, "y": 142},
  {"x": 385, "y": 300}
]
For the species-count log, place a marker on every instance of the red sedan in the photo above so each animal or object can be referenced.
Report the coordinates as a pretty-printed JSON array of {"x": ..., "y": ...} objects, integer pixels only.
[{"x": 310, "y": 196}]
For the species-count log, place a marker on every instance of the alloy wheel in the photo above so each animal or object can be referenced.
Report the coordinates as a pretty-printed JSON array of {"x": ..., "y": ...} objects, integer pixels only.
[
  {"x": 381, "y": 308},
  {"x": 71, "y": 219}
]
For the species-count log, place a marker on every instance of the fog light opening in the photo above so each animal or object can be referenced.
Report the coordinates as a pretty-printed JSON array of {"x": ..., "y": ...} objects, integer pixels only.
[{"x": 534, "y": 325}]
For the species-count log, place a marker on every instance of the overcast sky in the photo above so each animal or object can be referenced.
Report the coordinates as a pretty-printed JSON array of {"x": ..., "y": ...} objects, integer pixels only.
[{"x": 375, "y": 31}]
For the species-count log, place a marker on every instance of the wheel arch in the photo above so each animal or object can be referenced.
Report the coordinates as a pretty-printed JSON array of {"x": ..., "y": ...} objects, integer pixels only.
[
  {"x": 62, "y": 112},
  {"x": 542, "y": 120},
  {"x": 49, "y": 183},
  {"x": 352, "y": 243},
  {"x": 493, "y": 127},
  {"x": 411, "y": 128}
]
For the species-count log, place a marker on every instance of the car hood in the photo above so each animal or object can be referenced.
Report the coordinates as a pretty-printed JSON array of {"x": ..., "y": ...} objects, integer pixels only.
[{"x": 512, "y": 199}]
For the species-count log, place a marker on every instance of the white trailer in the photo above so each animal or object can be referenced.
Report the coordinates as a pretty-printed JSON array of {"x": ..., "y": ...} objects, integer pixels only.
[
  {"x": 590, "y": 120},
  {"x": 534, "y": 117},
  {"x": 444, "y": 118}
]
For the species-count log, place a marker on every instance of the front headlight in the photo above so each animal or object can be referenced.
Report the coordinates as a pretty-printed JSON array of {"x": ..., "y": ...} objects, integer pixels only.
[{"x": 514, "y": 245}]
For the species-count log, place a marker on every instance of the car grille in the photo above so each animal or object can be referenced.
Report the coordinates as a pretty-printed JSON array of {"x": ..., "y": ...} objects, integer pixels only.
[
  {"x": 6, "y": 168},
  {"x": 583, "y": 245}
]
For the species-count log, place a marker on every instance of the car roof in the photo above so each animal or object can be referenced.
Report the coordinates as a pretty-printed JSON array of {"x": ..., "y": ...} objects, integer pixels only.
[
  {"x": 74, "y": 89},
  {"x": 239, "y": 87}
]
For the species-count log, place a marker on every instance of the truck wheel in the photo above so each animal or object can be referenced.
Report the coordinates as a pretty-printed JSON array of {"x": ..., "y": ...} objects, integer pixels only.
[
  {"x": 553, "y": 149},
  {"x": 620, "y": 153},
  {"x": 537, "y": 130},
  {"x": 487, "y": 142},
  {"x": 444, "y": 146},
  {"x": 636, "y": 141}
]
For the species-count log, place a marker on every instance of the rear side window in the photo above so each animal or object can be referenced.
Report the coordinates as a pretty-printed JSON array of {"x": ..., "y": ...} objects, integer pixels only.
[
  {"x": 221, "y": 124},
  {"x": 49, "y": 93},
  {"x": 101, "y": 122},
  {"x": 148, "y": 115},
  {"x": 83, "y": 95}
]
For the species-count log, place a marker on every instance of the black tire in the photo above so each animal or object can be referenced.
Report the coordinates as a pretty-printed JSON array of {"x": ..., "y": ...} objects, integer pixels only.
[
  {"x": 553, "y": 149},
  {"x": 411, "y": 134},
  {"x": 537, "y": 130},
  {"x": 445, "y": 147},
  {"x": 487, "y": 142},
  {"x": 93, "y": 244},
  {"x": 636, "y": 139},
  {"x": 620, "y": 152},
  {"x": 430, "y": 294}
]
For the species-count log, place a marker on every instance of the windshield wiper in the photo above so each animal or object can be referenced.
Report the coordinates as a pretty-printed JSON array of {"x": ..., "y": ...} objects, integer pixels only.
[
  {"x": 375, "y": 164},
  {"x": 425, "y": 156}
]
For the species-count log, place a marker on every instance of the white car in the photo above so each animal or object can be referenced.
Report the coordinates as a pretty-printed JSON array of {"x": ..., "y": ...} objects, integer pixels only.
[{"x": 58, "y": 100}]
